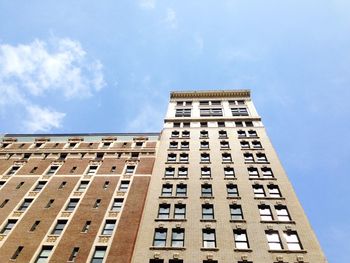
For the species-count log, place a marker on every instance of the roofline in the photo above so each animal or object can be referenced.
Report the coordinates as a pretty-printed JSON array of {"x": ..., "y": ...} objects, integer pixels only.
[
  {"x": 210, "y": 94},
  {"x": 78, "y": 134}
]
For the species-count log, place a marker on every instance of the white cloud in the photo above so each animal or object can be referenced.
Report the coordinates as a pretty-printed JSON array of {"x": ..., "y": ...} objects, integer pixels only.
[
  {"x": 42, "y": 119},
  {"x": 147, "y": 4},
  {"x": 58, "y": 68},
  {"x": 171, "y": 18}
]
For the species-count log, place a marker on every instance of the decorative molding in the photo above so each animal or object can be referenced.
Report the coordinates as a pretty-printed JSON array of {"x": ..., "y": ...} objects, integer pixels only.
[
  {"x": 51, "y": 239},
  {"x": 210, "y": 94}
]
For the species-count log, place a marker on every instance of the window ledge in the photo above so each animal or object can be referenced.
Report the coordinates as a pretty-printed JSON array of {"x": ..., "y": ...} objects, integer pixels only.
[
  {"x": 287, "y": 251},
  {"x": 176, "y": 162},
  {"x": 204, "y": 149},
  {"x": 170, "y": 219},
  {"x": 233, "y": 197},
  {"x": 227, "y": 162},
  {"x": 205, "y": 162},
  {"x": 270, "y": 198},
  {"x": 206, "y": 178},
  {"x": 277, "y": 222},
  {"x": 261, "y": 178},
  {"x": 175, "y": 178},
  {"x": 209, "y": 249},
  {"x": 230, "y": 178},
  {"x": 227, "y": 149},
  {"x": 208, "y": 220},
  {"x": 167, "y": 248},
  {"x": 243, "y": 250},
  {"x": 173, "y": 197},
  {"x": 207, "y": 197},
  {"x": 178, "y": 149},
  {"x": 237, "y": 221}
]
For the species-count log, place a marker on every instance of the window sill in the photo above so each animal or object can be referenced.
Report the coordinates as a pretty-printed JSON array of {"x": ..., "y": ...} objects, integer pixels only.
[
  {"x": 287, "y": 251},
  {"x": 238, "y": 221},
  {"x": 208, "y": 220},
  {"x": 207, "y": 197},
  {"x": 277, "y": 222},
  {"x": 205, "y": 162},
  {"x": 206, "y": 178},
  {"x": 178, "y": 149},
  {"x": 204, "y": 149},
  {"x": 170, "y": 219},
  {"x": 209, "y": 249},
  {"x": 173, "y": 197},
  {"x": 254, "y": 149},
  {"x": 243, "y": 250},
  {"x": 167, "y": 162},
  {"x": 256, "y": 162},
  {"x": 225, "y": 149},
  {"x": 175, "y": 178},
  {"x": 167, "y": 248},
  {"x": 269, "y": 198},
  {"x": 261, "y": 178},
  {"x": 227, "y": 162},
  {"x": 233, "y": 197},
  {"x": 230, "y": 178}
]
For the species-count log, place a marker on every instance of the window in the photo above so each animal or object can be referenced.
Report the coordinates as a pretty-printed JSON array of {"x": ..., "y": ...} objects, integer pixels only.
[
  {"x": 205, "y": 172},
  {"x": 236, "y": 102},
  {"x": 171, "y": 157},
  {"x": 211, "y": 112},
  {"x": 59, "y": 227},
  {"x": 72, "y": 145},
  {"x": 91, "y": 170},
  {"x": 124, "y": 185},
  {"x": 221, "y": 124},
  {"x": 72, "y": 204},
  {"x": 156, "y": 261},
  {"x": 249, "y": 124},
  {"x": 8, "y": 227},
  {"x": 185, "y": 145},
  {"x": 204, "y": 145},
  {"x": 98, "y": 255},
  {"x": 226, "y": 157},
  {"x": 186, "y": 124},
  {"x": 183, "y": 103},
  {"x": 178, "y": 237},
  {"x": 34, "y": 169},
  {"x": 2, "y": 183},
  {"x": 82, "y": 186},
  {"x": 74, "y": 254},
  {"x": 239, "y": 111},
  {"x": 86, "y": 227},
  {"x": 117, "y": 205},
  {"x": 40, "y": 185},
  {"x": 113, "y": 169},
  {"x": 253, "y": 172},
  {"x": 241, "y": 240},
  {"x": 52, "y": 170},
  {"x": 105, "y": 185},
  {"x": 130, "y": 169},
  {"x": 175, "y": 134},
  {"x": 186, "y": 112},
  {"x": 74, "y": 168},
  {"x": 26, "y": 203},
  {"x": 204, "y": 124},
  {"x": 49, "y": 204},
  {"x": 209, "y": 239},
  {"x": 4, "y": 203},
  {"x": 207, "y": 190},
  {"x": 244, "y": 145},
  {"x": 17, "y": 252},
  {"x": 282, "y": 213},
  {"x": 159, "y": 239},
  {"x": 63, "y": 156},
  {"x": 292, "y": 240},
  {"x": 34, "y": 226},
  {"x": 106, "y": 144},
  {"x": 176, "y": 261},
  {"x": 169, "y": 172},
  {"x": 236, "y": 212},
  {"x": 204, "y": 134},
  {"x": 62, "y": 185},
  {"x": 185, "y": 134},
  {"x": 229, "y": 172},
  {"x": 224, "y": 145},
  {"x": 44, "y": 254},
  {"x": 248, "y": 157},
  {"x": 183, "y": 172},
  {"x": 183, "y": 157},
  {"x": 252, "y": 133},
  {"x": 205, "y": 157},
  {"x": 273, "y": 239},
  {"x": 108, "y": 227},
  {"x": 239, "y": 124},
  {"x": 256, "y": 144},
  {"x": 222, "y": 134},
  {"x": 26, "y": 156},
  {"x": 99, "y": 156},
  {"x": 167, "y": 190},
  {"x": 274, "y": 191},
  {"x": 19, "y": 185},
  {"x": 261, "y": 157},
  {"x": 207, "y": 212},
  {"x": 97, "y": 203},
  {"x": 164, "y": 211},
  {"x": 258, "y": 190},
  {"x": 232, "y": 190},
  {"x": 173, "y": 145},
  {"x": 266, "y": 172},
  {"x": 13, "y": 170},
  {"x": 241, "y": 134},
  {"x": 180, "y": 211},
  {"x": 265, "y": 213},
  {"x": 181, "y": 190}
]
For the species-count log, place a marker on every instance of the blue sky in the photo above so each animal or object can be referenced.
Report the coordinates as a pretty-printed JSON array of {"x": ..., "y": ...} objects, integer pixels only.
[{"x": 108, "y": 66}]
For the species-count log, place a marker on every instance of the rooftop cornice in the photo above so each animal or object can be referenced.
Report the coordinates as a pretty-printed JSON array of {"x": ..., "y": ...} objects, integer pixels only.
[{"x": 210, "y": 94}]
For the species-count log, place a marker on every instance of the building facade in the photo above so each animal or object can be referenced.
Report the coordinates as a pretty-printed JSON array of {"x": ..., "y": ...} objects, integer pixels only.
[{"x": 209, "y": 188}]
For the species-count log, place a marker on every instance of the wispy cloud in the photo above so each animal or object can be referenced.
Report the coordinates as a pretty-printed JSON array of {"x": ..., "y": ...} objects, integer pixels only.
[
  {"x": 147, "y": 4},
  {"x": 59, "y": 67},
  {"x": 171, "y": 18}
]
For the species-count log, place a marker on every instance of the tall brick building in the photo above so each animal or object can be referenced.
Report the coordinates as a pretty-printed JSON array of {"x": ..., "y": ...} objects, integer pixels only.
[{"x": 209, "y": 188}]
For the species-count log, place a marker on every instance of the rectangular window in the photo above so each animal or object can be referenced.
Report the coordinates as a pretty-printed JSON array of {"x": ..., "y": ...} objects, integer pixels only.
[
  {"x": 4, "y": 203},
  {"x": 185, "y": 145},
  {"x": 59, "y": 227},
  {"x": 248, "y": 157},
  {"x": 40, "y": 185},
  {"x": 72, "y": 204},
  {"x": 204, "y": 134},
  {"x": 19, "y": 185},
  {"x": 204, "y": 145},
  {"x": 181, "y": 190},
  {"x": 292, "y": 240},
  {"x": 261, "y": 157},
  {"x": 74, "y": 254},
  {"x": 208, "y": 212},
  {"x": 273, "y": 239},
  {"x": 49, "y": 203},
  {"x": 258, "y": 190},
  {"x": 266, "y": 172},
  {"x": 117, "y": 205},
  {"x": 229, "y": 172},
  {"x": 26, "y": 203},
  {"x": 205, "y": 172},
  {"x": 13, "y": 170},
  {"x": 256, "y": 144},
  {"x": 178, "y": 237},
  {"x": 236, "y": 212},
  {"x": 17, "y": 252},
  {"x": 108, "y": 227},
  {"x": 209, "y": 238},
  {"x": 173, "y": 145},
  {"x": 183, "y": 172},
  {"x": 97, "y": 203},
  {"x": 34, "y": 226},
  {"x": 124, "y": 185},
  {"x": 186, "y": 112},
  {"x": 86, "y": 227},
  {"x": 253, "y": 172},
  {"x": 130, "y": 169},
  {"x": 99, "y": 255},
  {"x": 44, "y": 254},
  {"x": 207, "y": 190},
  {"x": 164, "y": 211},
  {"x": 211, "y": 112},
  {"x": 52, "y": 170},
  {"x": 159, "y": 239},
  {"x": 167, "y": 190},
  {"x": 224, "y": 145},
  {"x": 274, "y": 191},
  {"x": 232, "y": 190},
  {"x": 245, "y": 145},
  {"x": 239, "y": 111},
  {"x": 180, "y": 211},
  {"x": 171, "y": 157},
  {"x": 92, "y": 170},
  {"x": 241, "y": 240},
  {"x": 205, "y": 157},
  {"x": 226, "y": 157},
  {"x": 169, "y": 172},
  {"x": 183, "y": 157},
  {"x": 8, "y": 227},
  {"x": 265, "y": 213},
  {"x": 82, "y": 186},
  {"x": 282, "y": 213}
]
